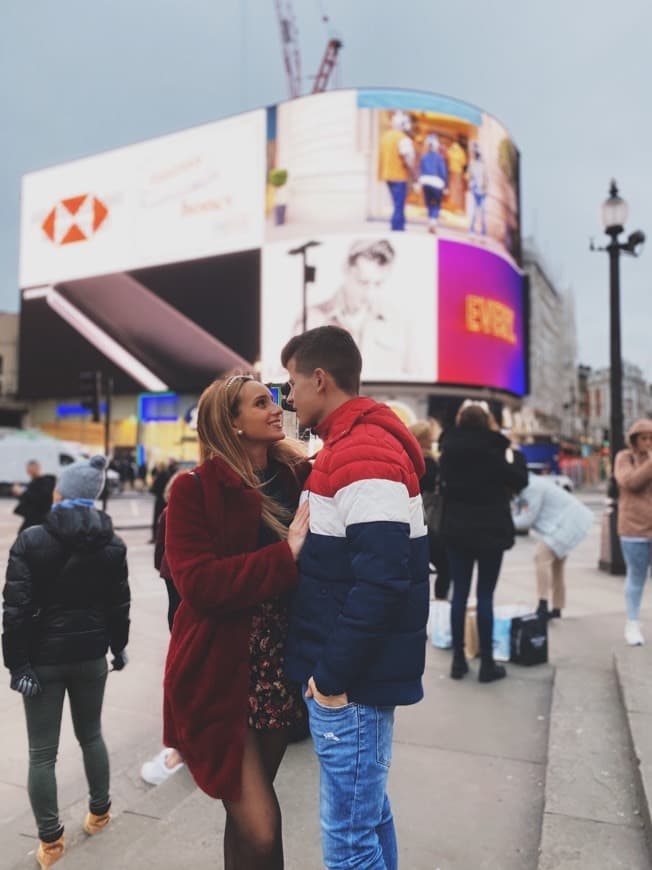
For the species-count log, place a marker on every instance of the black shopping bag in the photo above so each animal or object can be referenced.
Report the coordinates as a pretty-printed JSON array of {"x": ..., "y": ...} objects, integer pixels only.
[{"x": 529, "y": 640}]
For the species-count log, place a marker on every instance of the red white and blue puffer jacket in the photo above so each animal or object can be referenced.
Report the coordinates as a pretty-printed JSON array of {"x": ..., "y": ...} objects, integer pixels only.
[{"x": 358, "y": 622}]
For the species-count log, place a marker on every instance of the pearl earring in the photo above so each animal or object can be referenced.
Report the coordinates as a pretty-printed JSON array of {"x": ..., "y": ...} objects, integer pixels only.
[{"x": 240, "y": 432}]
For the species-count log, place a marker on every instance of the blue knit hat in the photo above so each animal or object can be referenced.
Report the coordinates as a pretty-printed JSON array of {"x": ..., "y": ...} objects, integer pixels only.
[{"x": 83, "y": 479}]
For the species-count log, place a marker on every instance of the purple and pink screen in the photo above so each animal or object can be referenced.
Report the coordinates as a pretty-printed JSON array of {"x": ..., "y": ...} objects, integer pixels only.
[{"x": 481, "y": 329}]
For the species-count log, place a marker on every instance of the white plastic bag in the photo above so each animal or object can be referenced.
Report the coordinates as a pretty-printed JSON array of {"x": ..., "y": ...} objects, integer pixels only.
[
  {"x": 503, "y": 616},
  {"x": 439, "y": 624}
]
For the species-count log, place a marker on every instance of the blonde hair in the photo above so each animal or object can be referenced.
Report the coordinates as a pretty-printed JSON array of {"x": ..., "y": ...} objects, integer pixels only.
[
  {"x": 422, "y": 431},
  {"x": 218, "y": 407}
]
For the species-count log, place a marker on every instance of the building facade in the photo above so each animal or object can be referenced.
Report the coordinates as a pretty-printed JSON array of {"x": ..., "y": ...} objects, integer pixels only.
[
  {"x": 551, "y": 408},
  {"x": 637, "y": 400},
  {"x": 12, "y": 412}
]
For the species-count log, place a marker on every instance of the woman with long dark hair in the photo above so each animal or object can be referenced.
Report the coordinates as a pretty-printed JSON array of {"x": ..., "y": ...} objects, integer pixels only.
[
  {"x": 232, "y": 547},
  {"x": 479, "y": 478}
]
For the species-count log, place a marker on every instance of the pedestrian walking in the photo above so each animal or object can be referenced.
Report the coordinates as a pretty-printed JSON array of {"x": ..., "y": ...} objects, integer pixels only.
[
  {"x": 358, "y": 626},
  {"x": 433, "y": 180},
  {"x": 479, "y": 478},
  {"x": 432, "y": 505},
  {"x": 561, "y": 521},
  {"x": 396, "y": 165},
  {"x": 232, "y": 548},
  {"x": 35, "y": 499},
  {"x": 66, "y": 601},
  {"x": 479, "y": 183},
  {"x": 165, "y": 472},
  {"x": 169, "y": 760},
  {"x": 633, "y": 473}
]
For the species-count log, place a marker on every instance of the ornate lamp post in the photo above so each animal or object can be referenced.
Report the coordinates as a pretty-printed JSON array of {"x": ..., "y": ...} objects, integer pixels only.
[{"x": 614, "y": 216}]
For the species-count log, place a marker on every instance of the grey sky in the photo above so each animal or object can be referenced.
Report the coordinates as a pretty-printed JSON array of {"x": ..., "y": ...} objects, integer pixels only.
[{"x": 567, "y": 77}]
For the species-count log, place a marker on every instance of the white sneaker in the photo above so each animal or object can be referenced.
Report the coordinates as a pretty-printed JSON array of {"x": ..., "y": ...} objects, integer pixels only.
[
  {"x": 156, "y": 771},
  {"x": 633, "y": 635}
]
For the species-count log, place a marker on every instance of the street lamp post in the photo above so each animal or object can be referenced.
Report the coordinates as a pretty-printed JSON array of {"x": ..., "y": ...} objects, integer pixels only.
[
  {"x": 614, "y": 216},
  {"x": 309, "y": 274}
]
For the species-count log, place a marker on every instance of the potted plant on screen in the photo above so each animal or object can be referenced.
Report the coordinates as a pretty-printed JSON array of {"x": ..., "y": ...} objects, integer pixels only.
[{"x": 278, "y": 180}]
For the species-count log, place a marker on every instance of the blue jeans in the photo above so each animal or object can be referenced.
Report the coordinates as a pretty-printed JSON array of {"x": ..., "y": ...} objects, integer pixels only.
[
  {"x": 432, "y": 198},
  {"x": 354, "y": 747},
  {"x": 479, "y": 200},
  {"x": 638, "y": 557},
  {"x": 461, "y": 570},
  {"x": 398, "y": 191}
]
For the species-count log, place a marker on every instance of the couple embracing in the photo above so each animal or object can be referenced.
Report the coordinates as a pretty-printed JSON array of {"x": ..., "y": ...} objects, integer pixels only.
[{"x": 297, "y": 581}]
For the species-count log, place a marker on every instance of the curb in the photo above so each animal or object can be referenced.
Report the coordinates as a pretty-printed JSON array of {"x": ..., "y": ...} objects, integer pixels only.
[{"x": 643, "y": 779}]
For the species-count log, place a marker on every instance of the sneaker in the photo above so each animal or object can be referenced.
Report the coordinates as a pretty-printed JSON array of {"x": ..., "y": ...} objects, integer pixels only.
[
  {"x": 633, "y": 634},
  {"x": 555, "y": 613},
  {"x": 156, "y": 771}
]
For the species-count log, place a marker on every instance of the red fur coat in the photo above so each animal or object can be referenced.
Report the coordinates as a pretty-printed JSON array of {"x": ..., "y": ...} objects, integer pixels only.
[{"x": 210, "y": 545}]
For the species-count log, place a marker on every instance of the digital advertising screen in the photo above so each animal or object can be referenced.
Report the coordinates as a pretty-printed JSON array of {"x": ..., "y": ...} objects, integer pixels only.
[
  {"x": 381, "y": 288},
  {"x": 405, "y": 160},
  {"x": 391, "y": 213},
  {"x": 188, "y": 195},
  {"x": 482, "y": 330}
]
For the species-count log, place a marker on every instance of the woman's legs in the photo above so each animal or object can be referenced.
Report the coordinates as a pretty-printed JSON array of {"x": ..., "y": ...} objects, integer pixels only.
[
  {"x": 43, "y": 716},
  {"x": 439, "y": 559},
  {"x": 461, "y": 572},
  {"x": 253, "y": 836},
  {"x": 488, "y": 570},
  {"x": 637, "y": 558},
  {"x": 85, "y": 682}
]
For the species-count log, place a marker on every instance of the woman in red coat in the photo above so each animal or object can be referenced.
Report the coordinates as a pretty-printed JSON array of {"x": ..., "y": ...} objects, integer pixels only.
[{"x": 227, "y": 706}]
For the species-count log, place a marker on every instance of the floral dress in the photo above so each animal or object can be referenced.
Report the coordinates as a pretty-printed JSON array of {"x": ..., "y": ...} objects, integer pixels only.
[{"x": 274, "y": 702}]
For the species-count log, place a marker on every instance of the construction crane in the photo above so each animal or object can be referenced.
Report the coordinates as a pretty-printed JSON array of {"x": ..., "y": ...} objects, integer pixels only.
[
  {"x": 327, "y": 65},
  {"x": 291, "y": 52},
  {"x": 290, "y": 45}
]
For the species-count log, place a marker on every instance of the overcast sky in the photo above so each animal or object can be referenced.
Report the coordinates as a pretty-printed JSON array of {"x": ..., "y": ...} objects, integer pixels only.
[{"x": 568, "y": 78}]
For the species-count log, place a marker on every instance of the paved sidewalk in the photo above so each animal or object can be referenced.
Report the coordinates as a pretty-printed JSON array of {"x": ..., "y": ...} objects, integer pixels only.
[{"x": 468, "y": 773}]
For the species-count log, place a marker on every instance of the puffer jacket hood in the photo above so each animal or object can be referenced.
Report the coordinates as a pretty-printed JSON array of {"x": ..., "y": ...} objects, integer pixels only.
[
  {"x": 362, "y": 409},
  {"x": 80, "y": 529},
  {"x": 638, "y": 428}
]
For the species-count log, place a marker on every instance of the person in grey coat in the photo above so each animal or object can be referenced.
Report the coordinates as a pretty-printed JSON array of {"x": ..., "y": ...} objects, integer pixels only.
[{"x": 561, "y": 522}]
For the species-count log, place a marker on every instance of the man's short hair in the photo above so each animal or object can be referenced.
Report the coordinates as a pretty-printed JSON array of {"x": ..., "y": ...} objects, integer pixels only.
[
  {"x": 380, "y": 251},
  {"x": 330, "y": 348}
]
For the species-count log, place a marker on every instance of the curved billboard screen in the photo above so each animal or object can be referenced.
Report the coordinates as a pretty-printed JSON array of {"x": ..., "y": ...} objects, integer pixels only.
[
  {"x": 391, "y": 213},
  {"x": 395, "y": 214}
]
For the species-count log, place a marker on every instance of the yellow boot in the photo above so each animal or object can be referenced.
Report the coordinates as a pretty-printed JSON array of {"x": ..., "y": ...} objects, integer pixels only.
[
  {"x": 49, "y": 853},
  {"x": 94, "y": 824}
]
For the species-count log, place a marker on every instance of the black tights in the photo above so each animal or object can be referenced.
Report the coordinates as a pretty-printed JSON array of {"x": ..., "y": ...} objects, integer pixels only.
[{"x": 252, "y": 836}]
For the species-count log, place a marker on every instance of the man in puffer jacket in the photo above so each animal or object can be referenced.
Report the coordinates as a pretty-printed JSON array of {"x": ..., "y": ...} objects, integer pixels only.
[
  {"x": 66, "y": 601},
  {"x": 357, "y": 628},
  {"x": 561, "y": 521}
]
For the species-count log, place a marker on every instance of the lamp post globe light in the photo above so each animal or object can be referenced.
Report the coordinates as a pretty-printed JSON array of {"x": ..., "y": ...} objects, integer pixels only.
[{"x": 614, "y": 217}]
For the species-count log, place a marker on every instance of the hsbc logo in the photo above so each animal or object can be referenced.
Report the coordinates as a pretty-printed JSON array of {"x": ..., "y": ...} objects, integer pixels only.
[{"x": 74, "y": 220}]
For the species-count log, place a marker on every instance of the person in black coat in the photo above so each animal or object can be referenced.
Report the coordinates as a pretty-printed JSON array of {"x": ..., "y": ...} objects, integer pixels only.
[
  {"x": 163, "y": 476},
  {"x": 479, "y": 478},
  {"x": 35, "y": 500},
  {"x": 429, "y": 485},
  {"x": 65, "y": 603}
]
